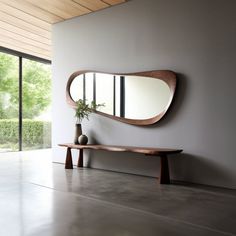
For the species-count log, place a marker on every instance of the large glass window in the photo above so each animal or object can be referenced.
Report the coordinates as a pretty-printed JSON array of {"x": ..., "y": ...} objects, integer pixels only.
[
  {"x": 9, "y": 102},
  {"x": 25, "y": 102},
  {"x": 36, "y": 101}
]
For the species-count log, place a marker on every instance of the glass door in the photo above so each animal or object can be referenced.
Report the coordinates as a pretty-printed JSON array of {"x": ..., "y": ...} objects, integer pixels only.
[
  {"x": 36, "y": 105},
  {"x": 9, "y": 102}
]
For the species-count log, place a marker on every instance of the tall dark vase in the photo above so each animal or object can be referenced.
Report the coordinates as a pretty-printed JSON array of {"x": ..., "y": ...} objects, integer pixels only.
[{"x": 78, "y": 132}]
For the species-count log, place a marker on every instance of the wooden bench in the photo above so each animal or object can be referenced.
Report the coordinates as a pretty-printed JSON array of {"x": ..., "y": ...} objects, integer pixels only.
[{"x": 162, "y": 152}]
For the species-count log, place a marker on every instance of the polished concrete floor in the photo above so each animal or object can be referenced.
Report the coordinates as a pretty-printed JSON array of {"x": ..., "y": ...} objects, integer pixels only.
[{"x": 39, "y": 198}]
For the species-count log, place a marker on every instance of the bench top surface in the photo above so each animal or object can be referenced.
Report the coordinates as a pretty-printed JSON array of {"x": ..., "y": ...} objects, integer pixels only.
[{"x": 114, "y": 148}]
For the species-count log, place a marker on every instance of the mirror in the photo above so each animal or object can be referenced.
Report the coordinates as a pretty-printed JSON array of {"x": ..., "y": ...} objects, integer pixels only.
[{"x": 137, "y": 98}]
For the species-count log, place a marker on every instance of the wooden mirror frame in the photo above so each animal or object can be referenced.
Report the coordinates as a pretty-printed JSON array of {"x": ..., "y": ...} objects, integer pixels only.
[{"x": 169, "y": 77}]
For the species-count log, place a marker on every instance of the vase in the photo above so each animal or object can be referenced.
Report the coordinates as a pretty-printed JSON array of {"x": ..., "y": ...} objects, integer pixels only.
[
  {"x": 78, "y": 132},
  {"x": 83, "y": 139}
]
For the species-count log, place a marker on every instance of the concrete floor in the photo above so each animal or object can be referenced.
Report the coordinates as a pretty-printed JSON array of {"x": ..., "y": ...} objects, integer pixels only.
[{"x": 43, "y": 199}]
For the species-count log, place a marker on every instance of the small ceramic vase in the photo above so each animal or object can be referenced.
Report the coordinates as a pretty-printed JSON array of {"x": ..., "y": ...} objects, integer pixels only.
[{"x": 83, "y": 139}]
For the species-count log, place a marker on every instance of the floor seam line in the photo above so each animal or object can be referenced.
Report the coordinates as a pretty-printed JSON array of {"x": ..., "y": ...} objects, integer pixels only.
[{"x": 137, "y": 210}]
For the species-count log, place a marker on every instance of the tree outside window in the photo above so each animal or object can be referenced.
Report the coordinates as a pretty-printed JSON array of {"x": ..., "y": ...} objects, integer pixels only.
[{"x": 36, "y": 100}]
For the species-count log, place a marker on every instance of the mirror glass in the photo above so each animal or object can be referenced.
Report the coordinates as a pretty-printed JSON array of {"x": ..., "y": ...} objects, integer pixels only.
[
  {"x": 127, "y": 97},
  {"x": 132, "y": 97}
]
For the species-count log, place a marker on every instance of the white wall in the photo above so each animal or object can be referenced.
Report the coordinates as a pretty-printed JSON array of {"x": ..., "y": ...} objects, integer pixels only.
[{"x": 196, "y": 39}]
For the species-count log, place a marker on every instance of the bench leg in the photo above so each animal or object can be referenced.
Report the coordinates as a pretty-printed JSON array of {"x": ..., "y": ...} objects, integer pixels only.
[
  {"x": 80, "y": 159},
  {"x": 69, "y": 163},
  {"x": 164, "y": 174}
]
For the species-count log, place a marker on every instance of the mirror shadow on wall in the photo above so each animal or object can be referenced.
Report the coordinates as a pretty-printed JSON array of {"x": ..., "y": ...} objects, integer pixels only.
[{"x": 138, "y": 98}]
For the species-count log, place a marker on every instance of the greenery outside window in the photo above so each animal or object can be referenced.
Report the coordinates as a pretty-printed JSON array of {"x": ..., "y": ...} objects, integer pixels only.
[{"x": 25, "y": 101}]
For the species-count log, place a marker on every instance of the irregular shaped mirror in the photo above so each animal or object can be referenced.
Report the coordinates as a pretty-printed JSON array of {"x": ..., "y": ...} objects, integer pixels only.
[{"x": 139, "y": 98}]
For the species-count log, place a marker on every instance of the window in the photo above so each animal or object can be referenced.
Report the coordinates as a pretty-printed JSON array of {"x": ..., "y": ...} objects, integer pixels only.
[{"x": 25, "y": 102}]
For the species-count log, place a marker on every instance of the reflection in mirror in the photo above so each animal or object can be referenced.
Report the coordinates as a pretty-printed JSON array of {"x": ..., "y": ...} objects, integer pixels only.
[
  {"x": 104, "y": 92},
  {"x": 144, "y": 97},
  {"x": 140, "y": 98},
  {"x": 76, "y": 90}
]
